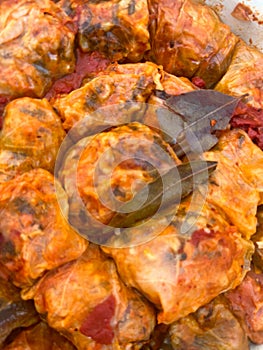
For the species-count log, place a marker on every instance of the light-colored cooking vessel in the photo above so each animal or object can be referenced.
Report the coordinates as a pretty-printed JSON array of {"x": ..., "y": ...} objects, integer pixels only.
[{"x": 250, "y": 31}]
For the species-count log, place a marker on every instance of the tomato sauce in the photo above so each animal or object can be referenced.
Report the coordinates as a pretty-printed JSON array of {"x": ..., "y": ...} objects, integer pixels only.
[
  {"x": 97, "y": 323},
  {"x": 86, "y": 64},
  {"x": 198, "y": 82},
  {"x": 250, "y": 120}
]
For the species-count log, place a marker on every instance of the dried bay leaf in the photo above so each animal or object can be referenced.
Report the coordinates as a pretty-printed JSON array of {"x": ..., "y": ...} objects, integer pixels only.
[
  {"x": 169, "y": 188},
  {"x": 195, "y": 117},
  {"x": 165, "y": 191}
]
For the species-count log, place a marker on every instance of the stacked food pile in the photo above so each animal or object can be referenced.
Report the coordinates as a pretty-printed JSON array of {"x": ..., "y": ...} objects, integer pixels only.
[{"x": 131, "y": 177}]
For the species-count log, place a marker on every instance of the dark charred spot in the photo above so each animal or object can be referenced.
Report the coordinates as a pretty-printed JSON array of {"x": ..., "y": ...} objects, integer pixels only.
[
  {"x": 183, "y": 256},
  {"x": 92, "y": 100},
  {"x": 131, "y": 7},
  {"x": 171, "y": 44},
  {"x": 40, "y": 67},
  {"x": 42, "y": 131},
  {"x": 139, "y": 88},
  {"x": 8, "y": 248},
  {"x": 162, "y": 94},
  {"x": 209, "y": 310},
  {"x": 171, "y": 255},
  {"x": 23, "y": 206},
  {"x": 88, "y": 30},
  {"x": 241, "y": 141},
  {"x": 115, "y": 10},
  {"x": 67, "y": 8},
  {"x": 99, "y": 89},
  {"x": 118, "y": 192},
  {"x": 38, "y": 113}
]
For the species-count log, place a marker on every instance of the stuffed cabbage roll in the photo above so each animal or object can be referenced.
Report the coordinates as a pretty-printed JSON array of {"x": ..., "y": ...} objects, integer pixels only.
[
  {"x": 121, "y": 84},
  {"x": 113, "y": 87},
  {"x": 247, "y": 304},
  {"x": 212, "y": 326},
  {"x": 102, "y": 172},
  {"x": 244, "y": 75},
  {"x": 31, "y": 131},
  {"x": 14, "y": 312},
  {"x": 188, "y": 39},
  {"x": 117, "y": 28},
  {"x": 13, "y": 164},
  {"x": 39, "y": 337},
  {"x": 35, "y": 236},
  {"x": 237, "y": 184},
  {"x": 86, "y": 301},
  {"x": 181, "y": 272},
  {"x": 30, "y": 60}
]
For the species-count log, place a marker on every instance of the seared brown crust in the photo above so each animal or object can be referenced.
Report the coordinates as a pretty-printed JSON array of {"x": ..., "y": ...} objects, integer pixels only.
[{"x": 14, "y": 312}]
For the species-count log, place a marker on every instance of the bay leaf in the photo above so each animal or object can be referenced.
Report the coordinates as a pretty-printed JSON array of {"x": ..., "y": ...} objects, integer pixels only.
[
  {"x": 169, "y": 188},
  {"x": 165, "y": 192},
  {"x": 195, "y": 117}
]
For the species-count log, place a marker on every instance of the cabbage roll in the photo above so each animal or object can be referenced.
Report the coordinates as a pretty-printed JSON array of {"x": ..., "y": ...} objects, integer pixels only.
[
  {"x": 244, "y": 75},
  {"x": 117, "y": 163},
  {"x": 117, "y": 28},
  {"x": 35, "y": 236},
  {"x": 30, "y": 60},
  {"x": 188, "y": 39},
  {"x": 237, "y": 184},
  {"x": 179, "y": 272},
  {"x": 135, "y": 84},
  {"x": 247, "y": 304},
  {"x": 213, "y": 326},
  {"x": 32, "y": 131},
  {"x": 86, "y": 301}
]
